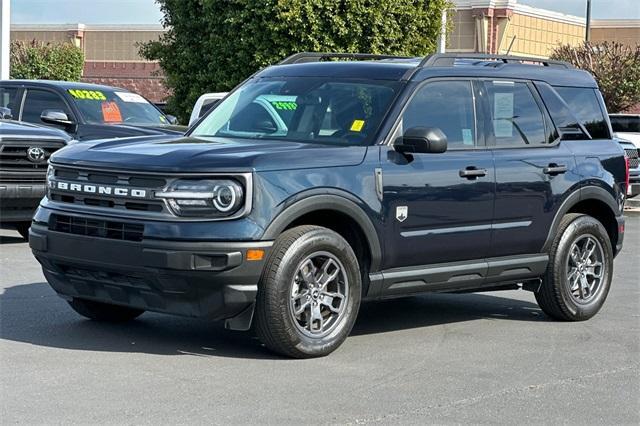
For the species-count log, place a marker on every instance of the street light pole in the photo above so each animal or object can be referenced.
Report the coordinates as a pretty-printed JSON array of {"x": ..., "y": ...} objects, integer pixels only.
[
  {"x": 442, "y": 38},
  {"x": 588, "y": 29},
  {"x": 5, "y": 24}
]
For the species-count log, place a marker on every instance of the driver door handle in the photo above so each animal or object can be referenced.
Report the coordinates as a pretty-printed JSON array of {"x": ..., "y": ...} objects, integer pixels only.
[
  {"x": 472, "y": 172},
  {"x": 554, "y": 169}
]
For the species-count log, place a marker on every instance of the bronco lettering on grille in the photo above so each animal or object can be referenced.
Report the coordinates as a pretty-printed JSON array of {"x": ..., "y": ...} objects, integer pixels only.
[{"x": 101, "y": 189}]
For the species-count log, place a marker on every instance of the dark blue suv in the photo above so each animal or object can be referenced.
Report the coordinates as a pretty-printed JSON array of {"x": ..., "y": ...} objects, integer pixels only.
[{"x": 330, "y": 179}]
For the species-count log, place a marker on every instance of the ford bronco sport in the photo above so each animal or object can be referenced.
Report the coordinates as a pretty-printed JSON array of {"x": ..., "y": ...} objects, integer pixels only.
[{"x": 383, "y": 177}]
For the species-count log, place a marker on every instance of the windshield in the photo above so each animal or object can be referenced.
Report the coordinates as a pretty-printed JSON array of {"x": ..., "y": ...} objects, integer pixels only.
[
  {"x": 303, "y": 109},
  {"x": 115, "y": 106},
  {"x": 629, "y": 124}
]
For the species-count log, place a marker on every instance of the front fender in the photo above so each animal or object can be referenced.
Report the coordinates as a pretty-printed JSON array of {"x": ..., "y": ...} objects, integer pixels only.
[{"x": 342, "y": 202}]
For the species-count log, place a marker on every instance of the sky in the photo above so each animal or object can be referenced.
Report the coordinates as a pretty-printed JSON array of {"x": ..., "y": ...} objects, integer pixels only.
[{"x": 148, "y": 12}]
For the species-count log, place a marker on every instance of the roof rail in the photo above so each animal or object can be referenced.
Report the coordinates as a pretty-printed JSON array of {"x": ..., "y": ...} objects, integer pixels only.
[
  {"x": 302, "y": 57},
  {"x": 448, "y": 59}
]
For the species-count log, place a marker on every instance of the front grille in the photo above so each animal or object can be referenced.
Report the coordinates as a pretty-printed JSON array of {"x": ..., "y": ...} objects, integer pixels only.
[
  {"x": 632, "y": 155},
  {"x": 127, "y": 181},
  {"x": 96, "y": 228},
  {"x": 15, "y": 165},
  {"x": 113, "y": 278}
]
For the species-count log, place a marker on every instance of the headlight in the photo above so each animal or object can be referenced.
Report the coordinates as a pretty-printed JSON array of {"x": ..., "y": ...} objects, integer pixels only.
[
  {"x": 201, "y": 198},
  {"x": 50, "y": 174}
]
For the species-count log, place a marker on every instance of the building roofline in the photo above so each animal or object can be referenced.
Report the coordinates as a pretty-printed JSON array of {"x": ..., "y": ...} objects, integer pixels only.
[
  {"x": 521, "y": 9},
  {"x": 87, "y": 27},
  {"x": 615, "y": 23}
]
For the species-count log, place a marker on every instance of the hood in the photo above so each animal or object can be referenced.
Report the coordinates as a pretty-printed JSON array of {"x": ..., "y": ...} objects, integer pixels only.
[
  {"x": 190, "y": 154},
  {"x": 634, "y": 138},
  {"x": 9, "y": 128},
  {"x": 168, "y": 129}
]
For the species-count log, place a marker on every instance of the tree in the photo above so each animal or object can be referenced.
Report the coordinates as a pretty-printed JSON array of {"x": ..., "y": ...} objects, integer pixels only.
[
  {"x": 615, "y": 66},
  {"x": 212, "y": 45},
  {"x": 37, "y": 60}
]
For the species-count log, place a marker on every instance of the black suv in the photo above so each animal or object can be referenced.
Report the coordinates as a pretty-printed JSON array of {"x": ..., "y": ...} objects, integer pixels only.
[
  {"x": 86, "y": 111},
  {"x": 335, "y": 178},
  {"x": 24, "y": 152}
]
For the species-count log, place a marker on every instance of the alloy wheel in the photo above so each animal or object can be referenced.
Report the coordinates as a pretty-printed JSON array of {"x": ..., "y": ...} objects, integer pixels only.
[
  {"x": 319, "y": 294},
  {"x": 585, "y": 268}
]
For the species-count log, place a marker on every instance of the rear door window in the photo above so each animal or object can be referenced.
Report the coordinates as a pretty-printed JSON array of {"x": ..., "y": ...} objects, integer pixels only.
[
  {"x": 584, "y": 103},
  {"x": 515, "y": 117}
]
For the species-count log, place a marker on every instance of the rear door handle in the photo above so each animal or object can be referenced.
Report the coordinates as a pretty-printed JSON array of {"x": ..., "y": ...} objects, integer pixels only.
[
  {"x": 472, "y": 173},
  {"x": 554, "y": 169}
]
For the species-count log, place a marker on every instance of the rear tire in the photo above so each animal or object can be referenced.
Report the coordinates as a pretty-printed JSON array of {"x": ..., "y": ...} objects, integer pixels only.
[
  {"x": 103, "y": 311},
  {"x": 309, "y": 293},
  {"x": 580, "y": 268},
  {"x": 23, "y": 229}
]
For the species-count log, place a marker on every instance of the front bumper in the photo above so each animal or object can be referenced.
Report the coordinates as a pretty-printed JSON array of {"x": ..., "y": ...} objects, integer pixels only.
[
  {"x": 18, "y": 201},
  {"x": 198, "y": 279}
]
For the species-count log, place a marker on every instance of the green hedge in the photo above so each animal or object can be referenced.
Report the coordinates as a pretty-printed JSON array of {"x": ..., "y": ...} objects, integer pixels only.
[
  {"x": 37, "y": 60},
  {"x": 212, "y": 45}
]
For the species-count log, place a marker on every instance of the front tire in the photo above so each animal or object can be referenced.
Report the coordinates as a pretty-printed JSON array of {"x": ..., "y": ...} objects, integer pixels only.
[
  {"x": 578, "y": 277},
  {"x": 309, "y": 293},
  {"x": 103, "y": 311}
]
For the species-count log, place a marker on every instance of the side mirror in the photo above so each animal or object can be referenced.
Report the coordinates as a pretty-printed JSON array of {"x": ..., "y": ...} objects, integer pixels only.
[
  {"x": 5, "y": 113},
  {"x": 172, "y": 119},
  {"x": 54, "y": 116},
  {"x": 422, "y": 140}
]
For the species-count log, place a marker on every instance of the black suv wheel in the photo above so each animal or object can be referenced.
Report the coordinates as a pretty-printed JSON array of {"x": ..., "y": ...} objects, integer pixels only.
[
  {"x": 578, "y": 277},
  {"x": 104, "y": 311},
  {"x": 309, "y": 293}
]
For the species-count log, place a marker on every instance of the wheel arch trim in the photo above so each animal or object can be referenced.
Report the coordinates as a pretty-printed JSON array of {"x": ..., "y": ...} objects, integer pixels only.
[
  {"x": 336, "y": 202},
  {"x": 582, "y": 194}
]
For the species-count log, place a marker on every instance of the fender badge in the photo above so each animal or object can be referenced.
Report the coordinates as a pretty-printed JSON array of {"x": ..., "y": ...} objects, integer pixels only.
[{"x": 402, "y": 212}]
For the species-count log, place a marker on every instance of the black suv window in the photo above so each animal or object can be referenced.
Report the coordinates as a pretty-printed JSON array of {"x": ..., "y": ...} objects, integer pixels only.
[
  {"x": 9, "y": 99},
  {"x": 447, "y": 105},
  {"x": 585, "y": 105},
  {"x": 625, "y": 123},
  {"x": 39, "y": 100},
  {"x": 515, "y": 117},
  {"x": 207, "y": 105}
]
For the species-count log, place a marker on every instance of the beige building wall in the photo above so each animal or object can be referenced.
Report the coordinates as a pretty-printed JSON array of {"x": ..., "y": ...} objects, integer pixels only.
[
  {"x": 492, "y": 25},
  {"x": 109, "y": 45},
  {"x": 99, "y": 42},
  {"x": 537, "y": 36},
  {"x": 42, "y": 35},
  {"x": 462, "y": 37},
  {"x": 625, "y": 31}
]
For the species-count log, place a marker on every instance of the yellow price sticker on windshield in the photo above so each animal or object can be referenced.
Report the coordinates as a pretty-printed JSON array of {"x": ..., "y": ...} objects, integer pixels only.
[
  {"x": 91, "y": 95},
  {"x": 357, "y": 125}
]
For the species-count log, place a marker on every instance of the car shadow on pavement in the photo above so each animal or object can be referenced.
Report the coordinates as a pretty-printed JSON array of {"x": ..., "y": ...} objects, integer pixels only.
[
  {"x": 441, "y": 308},
  {"x": 10, "y": 240},
  {"x": 32, "y": 313}
]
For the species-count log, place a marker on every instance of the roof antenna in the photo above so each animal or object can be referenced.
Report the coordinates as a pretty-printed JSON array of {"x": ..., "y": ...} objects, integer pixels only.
[{"x": 511, "y": 44}]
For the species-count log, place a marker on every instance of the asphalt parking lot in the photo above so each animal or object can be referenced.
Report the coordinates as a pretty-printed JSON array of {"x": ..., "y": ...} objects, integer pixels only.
[{"x": 474, "y": 358}]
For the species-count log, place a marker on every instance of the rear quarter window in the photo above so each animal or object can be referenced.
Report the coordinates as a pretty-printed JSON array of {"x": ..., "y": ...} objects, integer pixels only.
[{"x": 584, "y": 102}]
